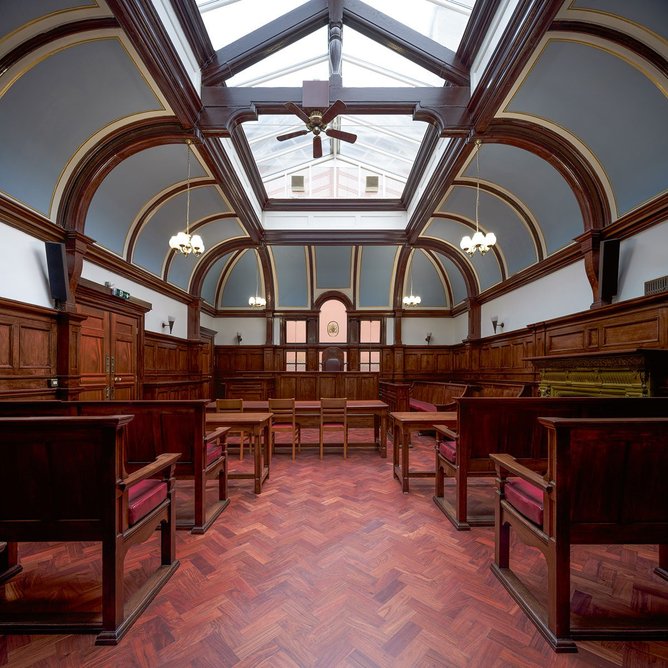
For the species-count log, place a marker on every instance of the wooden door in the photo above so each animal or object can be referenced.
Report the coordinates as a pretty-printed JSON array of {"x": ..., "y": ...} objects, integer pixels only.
[
  {"x": 108, "y": 350},
  {"x": 123, "y": 347}
]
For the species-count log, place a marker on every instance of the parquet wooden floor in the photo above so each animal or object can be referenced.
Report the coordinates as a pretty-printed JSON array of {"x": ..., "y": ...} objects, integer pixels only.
[{"x": 333, "y": 566}]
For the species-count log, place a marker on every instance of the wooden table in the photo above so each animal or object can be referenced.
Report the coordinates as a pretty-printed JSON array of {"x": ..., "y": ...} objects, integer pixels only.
[
  {"x": 308, "y": 408},
  {"x": 257, "y": 425},
  {"x": 403, "y": 424}
]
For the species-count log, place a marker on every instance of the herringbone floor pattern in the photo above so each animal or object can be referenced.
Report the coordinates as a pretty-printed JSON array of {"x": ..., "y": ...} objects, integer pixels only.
[{"x": 332, "y": 566}]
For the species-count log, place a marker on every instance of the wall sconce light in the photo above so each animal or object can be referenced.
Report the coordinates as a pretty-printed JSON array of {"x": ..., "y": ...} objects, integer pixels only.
[
  {"x": 239, "y": 338},
  {"x": 428, "y": 338},
  {"x": 496, "y": 323},
  {"x": 170, "y": 323}
]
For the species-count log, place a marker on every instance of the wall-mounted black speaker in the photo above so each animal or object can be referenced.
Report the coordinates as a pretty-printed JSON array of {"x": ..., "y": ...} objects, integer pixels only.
[
  {"x": 608, "y": 270},
  {"x": 56, "y": 263}
]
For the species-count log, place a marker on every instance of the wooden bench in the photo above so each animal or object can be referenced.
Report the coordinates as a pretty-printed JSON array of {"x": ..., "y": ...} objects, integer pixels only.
[
  {"x": 499, "y": 389},
  {"x": 604, "y": 483},
  {"x": 486, "y": 425},
  {"x": 158, "y": 427},
  {"x": 432, "y": 397},
  {"x": 63, "y": 479}
]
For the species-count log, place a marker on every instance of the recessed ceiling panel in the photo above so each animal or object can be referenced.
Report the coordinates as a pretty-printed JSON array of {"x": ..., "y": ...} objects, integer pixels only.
[
  {"x": 61, "y": 102},
  {"x": 291, "y": 276},
  {"x": 376, "y": 276},
  {"x": 578, "y": 87},
  {"x": 333, "y": 267},
  {"x": 535, "y": 184},
  {"x": 210, "y": 282},
  {"x": 128, "y": 189}
]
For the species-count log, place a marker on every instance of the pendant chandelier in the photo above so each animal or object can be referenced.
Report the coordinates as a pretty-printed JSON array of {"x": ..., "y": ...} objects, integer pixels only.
[
  {"x": 257, "y": 301},
  {"x": 184, "y": 242},
  {"x": 411, "y": 300},
  {"x": 479, "y": 242}
]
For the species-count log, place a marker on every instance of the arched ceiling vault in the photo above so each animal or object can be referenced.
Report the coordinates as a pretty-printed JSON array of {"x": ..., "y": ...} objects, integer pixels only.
[{"x": 541, "y": 126}]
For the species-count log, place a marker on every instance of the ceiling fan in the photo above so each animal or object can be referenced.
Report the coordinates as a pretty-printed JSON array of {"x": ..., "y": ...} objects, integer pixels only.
[{"x": 316, "y": 122}]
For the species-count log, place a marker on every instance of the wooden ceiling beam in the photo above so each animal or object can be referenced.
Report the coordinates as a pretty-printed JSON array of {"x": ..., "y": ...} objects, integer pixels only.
[{"x": 446, "y": 108}]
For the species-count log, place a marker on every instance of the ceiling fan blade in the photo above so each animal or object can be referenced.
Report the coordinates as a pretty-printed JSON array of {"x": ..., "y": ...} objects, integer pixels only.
[
  {"x": 297, "y": 111},
  {"x": 340, "y": 134},
  {"x": 317, "y": 146},
  {"x": 337, "y": 108},
  {"x": 290, "y": 135}
]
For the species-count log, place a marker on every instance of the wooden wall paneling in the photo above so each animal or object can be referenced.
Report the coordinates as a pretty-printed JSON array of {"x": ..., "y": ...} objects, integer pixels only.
[{"x": 28, "y": 351}]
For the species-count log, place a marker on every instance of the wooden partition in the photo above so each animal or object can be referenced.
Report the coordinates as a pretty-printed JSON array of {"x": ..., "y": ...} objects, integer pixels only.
[{"x": 303, "y": 385}]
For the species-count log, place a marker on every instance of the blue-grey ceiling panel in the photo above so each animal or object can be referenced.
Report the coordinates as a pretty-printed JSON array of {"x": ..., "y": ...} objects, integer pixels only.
[
  {"x": 332, "y": 267},
  {"x": 153, "y": 242},
  {"x": 653, "y": 14},
  {"x": 455, "y": 278},
  {"x": 291, "y": 276},
  {"x": 485, "y": 266},
  {"x": 240, "y": 283},
  {"x": 426, "y": 281},
  {"x": 513, "y": 236},
  {"x": 537, "y": 185},
  {"x": 578, "y": 87},
  {"x": 210, "y": 282},
  {"x": 16, "y": 13},
  {"x": 130, "y": 185},
  {"x": 376, "y": 276},
  {"x": 60, "y": 103}
]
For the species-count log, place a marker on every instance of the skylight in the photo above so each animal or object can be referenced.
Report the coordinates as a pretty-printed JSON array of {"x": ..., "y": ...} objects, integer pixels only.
[{"x": 378, "y": 164}]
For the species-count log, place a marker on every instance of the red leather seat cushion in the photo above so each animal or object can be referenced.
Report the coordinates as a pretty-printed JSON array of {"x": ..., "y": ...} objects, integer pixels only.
[
  {"x": 213, "y": 452},
  {"x": 333, "y": 425},
  {"x": 525, "y": 498},
  {"x": 143, "y": 497},
  {"x": 448, "y": 449},
  {"x": 424, "y": 406}
]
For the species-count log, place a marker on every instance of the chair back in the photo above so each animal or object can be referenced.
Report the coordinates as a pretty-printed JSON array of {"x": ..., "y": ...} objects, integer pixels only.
[
  {"x": 229, "y": 405},
  {"x": 283, "y": 410},
  {"x": 332, "y": 359},
  {"x": 610, "y": 475},
  {"x": 334, "y": 410}
]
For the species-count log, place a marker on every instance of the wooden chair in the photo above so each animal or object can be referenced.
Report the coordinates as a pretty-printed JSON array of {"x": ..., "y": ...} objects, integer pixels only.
[
  {"x": 233, "y": 406},
  {"x": 334, "y": 417},
  {"x": 284, "y": 420},
  {"x": 332, "y": 359},
  {"x": 604, "y": 483},
  {"x": 64, "y": 479}
]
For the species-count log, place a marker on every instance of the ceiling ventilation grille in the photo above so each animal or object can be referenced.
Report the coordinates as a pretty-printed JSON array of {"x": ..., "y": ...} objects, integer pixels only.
[
  {"x": 656, "y": 285},
  {"x": 372, "y": 184},
  {"x": 297, "y": 183}
]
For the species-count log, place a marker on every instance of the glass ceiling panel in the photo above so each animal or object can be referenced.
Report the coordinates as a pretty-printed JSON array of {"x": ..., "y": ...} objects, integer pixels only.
[
  {"x": 305, "y": 60},
  {"x": 228, "y": 20},
  {"x": 364, "y": 60},
  {"x": 444, "y": 21}
]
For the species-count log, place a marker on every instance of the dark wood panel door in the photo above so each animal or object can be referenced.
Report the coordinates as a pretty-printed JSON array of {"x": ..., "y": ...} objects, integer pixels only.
[
  {"x": 94, "y": 356},
  {"x": 123, "y": 344},
  {"x": 108, "y": 350}
]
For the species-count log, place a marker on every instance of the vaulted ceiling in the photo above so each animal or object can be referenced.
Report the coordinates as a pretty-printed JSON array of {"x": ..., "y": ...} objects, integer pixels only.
[{"x": 568, "y": 100}]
